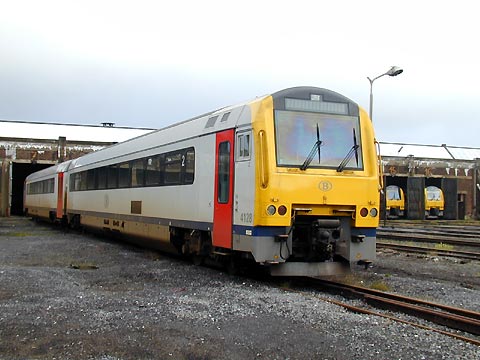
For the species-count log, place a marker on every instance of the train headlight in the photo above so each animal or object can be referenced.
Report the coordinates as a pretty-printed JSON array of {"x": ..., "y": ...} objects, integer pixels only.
[
  {"x": 363, "y": 212},
  {"x": 282, "y": 210},
  {"x": 373, "y": 212},
  {"x": 271, "y": 210}
]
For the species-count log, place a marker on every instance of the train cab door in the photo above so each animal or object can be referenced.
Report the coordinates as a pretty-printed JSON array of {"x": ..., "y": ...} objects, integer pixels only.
[{"x": 223, "y": 193}]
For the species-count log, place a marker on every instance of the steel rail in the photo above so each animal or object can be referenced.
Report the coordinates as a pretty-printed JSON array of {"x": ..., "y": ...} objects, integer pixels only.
[
  {"x": 404, "y": 236},
  {"x": 455, "y": 318},
  {"x": 361, "y": 310}
]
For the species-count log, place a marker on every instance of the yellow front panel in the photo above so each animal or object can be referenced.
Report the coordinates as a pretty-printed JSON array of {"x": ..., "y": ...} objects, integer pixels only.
[{"x": 316, "y": 191}]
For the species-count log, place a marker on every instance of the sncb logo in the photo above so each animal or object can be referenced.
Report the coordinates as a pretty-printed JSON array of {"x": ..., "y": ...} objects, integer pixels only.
[{"x": 325, "y": 185}]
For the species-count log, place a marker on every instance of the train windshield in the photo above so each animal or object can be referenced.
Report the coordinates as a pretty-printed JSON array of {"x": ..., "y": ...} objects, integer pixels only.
[
  {"x": 317, "y": 140},
  {"x": 393, "y": 193},
  {"x": 433, "y": 193}
]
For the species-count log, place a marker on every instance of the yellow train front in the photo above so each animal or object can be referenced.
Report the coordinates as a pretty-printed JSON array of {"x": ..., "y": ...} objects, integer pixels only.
[
  {"x": 395, "y": 202},
  {"x": 434, "y": 202},
  {"x": 317, "y": 184}
]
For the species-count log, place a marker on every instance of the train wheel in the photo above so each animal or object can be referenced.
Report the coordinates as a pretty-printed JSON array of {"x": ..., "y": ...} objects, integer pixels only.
[
  {"x": 232, "y": 267},
  {"x": 198, "y": 260}
]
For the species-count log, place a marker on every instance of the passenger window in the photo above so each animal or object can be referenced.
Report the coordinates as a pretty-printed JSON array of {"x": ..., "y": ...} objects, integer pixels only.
[
  {"x": 102, "y": 178},
  {"x": 73, "y": 185},
  {"x": 153, "y": 171},
  {"x": 91, "y": 179},
  {"x": 124, "y": 175},
  {"x": 138, "y": 172},
  {"x": 243, "y": 146},
  {"x": 189, "y": 167},
  {"x": 173, "y": 168},
  {"x": 112, "y": 176},
  {"x": 223, "y": 172},
  {"x": 83, "y": 180}
]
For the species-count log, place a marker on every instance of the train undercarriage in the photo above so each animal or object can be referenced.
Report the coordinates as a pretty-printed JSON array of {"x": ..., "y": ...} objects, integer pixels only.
[{"x": 312, "y": 246}]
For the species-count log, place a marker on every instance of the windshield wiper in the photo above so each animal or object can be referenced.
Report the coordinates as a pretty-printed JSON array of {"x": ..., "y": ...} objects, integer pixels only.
[
  {"x": 353, "y": 150},
  {"x": 315, "y": 148}
]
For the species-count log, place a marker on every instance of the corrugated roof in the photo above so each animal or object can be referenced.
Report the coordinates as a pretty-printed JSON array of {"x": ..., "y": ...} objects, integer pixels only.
[
  {"x": 464, "y": 153},
  {"x": 443, "y": 152},
  {"x": 97, "y": 133},
  {"x": 48, "y": 131}
]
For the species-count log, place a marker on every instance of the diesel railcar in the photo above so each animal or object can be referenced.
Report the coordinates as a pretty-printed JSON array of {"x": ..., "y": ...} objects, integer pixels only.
[
  {"x": 289, "y": 180},
  {"x": 395, "y": 202},
  {"x": 434, "y": 202}
]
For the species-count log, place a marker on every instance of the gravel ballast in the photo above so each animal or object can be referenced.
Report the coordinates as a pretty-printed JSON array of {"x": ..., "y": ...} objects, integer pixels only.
[{"x": 66, "y": 295}]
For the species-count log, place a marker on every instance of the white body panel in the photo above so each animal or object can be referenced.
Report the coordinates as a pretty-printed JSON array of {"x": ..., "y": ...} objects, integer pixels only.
[
  {"x": 168, "y": 138},
  {"x": 244, "y": 188},
  {"x": 193, "y": 202},
  {"x": 184, "y": 202}
]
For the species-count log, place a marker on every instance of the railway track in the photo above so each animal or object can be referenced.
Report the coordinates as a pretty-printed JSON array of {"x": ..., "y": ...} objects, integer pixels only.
[
  {"x": 426, "y": 232},
  {"x": 454, "y": 318},
  {"x": 430, "y": 251},
  {"x": 427, "y": 237}
]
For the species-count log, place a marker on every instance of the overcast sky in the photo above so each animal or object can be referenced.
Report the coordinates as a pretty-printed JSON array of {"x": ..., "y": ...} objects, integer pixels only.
[{"x": 152, "y": 63}]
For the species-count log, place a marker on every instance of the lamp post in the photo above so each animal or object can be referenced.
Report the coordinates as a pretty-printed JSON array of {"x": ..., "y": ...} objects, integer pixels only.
[{"x": 394, "y": 71}]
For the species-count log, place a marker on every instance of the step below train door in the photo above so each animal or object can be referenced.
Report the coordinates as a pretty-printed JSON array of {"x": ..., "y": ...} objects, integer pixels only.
[{"x": 223, "y": 193}]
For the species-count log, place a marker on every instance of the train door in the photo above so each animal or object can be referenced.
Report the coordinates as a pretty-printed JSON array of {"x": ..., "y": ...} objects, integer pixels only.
[
  {"x": 223, "y": 193},
  {"x": 60, "y": 195}
]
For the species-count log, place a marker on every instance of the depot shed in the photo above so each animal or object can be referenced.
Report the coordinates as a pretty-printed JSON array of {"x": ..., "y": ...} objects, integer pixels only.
[
  {"x": 453, "y": 169},
  {"x": 26, "y": 147}
]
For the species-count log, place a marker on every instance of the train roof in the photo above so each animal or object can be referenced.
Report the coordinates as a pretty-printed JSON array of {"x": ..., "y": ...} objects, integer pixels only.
[
  {"x": 49, "y": 171},
  {"x": 217, "y": 120},
  {"x": 73, "y": 132}
]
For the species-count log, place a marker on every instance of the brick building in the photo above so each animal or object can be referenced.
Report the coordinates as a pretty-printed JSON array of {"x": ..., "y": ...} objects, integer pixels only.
[
  {"x": 455, "y": 170},
  {"x": 26, "y": 147}
]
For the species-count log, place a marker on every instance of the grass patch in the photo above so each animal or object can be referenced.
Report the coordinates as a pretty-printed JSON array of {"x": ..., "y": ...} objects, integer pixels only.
[
  {"x": 442, "y": 246},
  {"x": 380, "y": 285},
  {"x": 16, "y": 234}
]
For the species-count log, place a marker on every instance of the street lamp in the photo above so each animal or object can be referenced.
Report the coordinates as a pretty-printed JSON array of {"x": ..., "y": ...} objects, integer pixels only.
[{"x": 394, "y": 71}]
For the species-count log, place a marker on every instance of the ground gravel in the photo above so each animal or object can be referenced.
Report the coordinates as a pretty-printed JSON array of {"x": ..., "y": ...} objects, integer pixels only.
[{"x": 66, "y": 295}]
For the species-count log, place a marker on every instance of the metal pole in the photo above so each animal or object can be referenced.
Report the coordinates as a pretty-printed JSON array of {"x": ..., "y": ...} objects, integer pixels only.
[
  {"x": 371, "y": 94},
  {"x": 394, "y": 71},
  {"x": 370, "y": 111}
]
